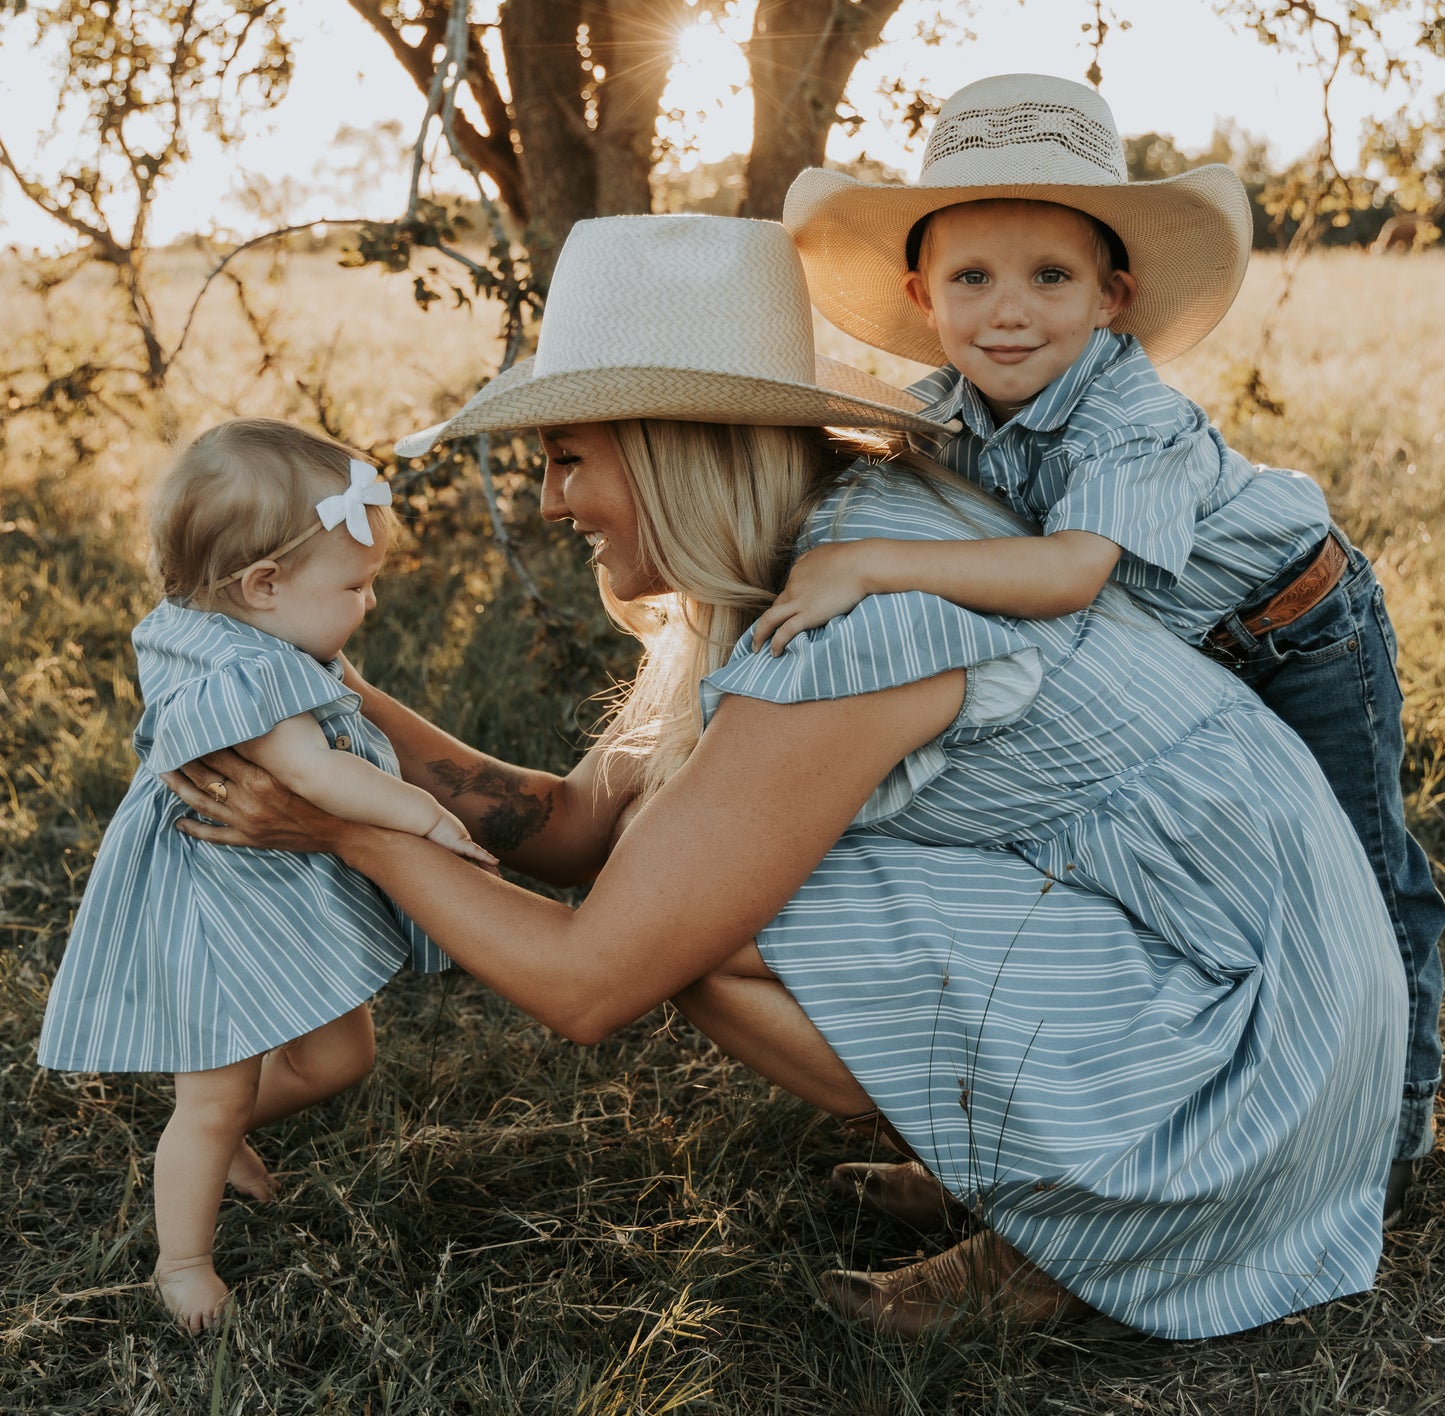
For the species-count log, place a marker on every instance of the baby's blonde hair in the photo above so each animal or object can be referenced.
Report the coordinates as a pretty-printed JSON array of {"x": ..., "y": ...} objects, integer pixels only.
[
  {"x": 719, "y": 508},
  {"x": 237, "y": 493}
]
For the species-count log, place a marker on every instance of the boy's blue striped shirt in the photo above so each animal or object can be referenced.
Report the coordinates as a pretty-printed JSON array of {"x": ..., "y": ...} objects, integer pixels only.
[{"x": 1108, "y": 447}]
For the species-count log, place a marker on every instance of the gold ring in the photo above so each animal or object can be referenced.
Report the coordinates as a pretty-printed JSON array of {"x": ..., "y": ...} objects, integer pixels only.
[{"x": 217, "y": 790}]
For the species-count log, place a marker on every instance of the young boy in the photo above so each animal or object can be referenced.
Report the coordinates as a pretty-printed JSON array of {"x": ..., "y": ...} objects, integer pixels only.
[{"x": 1043, "y": 282}]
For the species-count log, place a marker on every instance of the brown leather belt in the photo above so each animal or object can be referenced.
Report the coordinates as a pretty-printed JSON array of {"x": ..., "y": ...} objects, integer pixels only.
[{"x": 1301, "y": 595}]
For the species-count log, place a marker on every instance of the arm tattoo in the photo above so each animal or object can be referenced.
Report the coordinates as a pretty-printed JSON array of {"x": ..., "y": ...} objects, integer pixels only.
[{"x": 515, "y": 816}]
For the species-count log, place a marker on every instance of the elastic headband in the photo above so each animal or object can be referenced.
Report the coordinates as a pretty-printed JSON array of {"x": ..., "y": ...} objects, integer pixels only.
[{"x": 366, "y": 489}]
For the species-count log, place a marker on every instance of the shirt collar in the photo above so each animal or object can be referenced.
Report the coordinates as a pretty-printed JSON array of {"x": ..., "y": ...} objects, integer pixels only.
[
  {"x": 1053, "y": 405},
  {"x": 951, "y": 397},
  {"x": 948, "y": 395}
]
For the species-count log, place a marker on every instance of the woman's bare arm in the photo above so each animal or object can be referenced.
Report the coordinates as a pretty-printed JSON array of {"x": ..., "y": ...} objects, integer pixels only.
[
  {"x": 297, "y": 752},
  {"x": 705, "y": 864},
  {"x": 553, "y": 828}
]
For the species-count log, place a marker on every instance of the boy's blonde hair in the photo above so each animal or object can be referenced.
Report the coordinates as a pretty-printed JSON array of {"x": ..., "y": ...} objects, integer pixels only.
[
  {"x": 1108, "y": 250},
  {"x": 238, "y": 492}
]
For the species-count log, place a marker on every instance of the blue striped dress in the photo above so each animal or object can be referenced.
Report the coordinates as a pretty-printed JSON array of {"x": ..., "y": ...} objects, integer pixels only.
[
  {"x": 1110, "y": 956},
  {"x": 187, "y": 955}
]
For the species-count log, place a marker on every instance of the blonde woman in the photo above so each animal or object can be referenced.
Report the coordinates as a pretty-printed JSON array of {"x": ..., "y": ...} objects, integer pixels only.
[{"x": 1056, "y": 907}]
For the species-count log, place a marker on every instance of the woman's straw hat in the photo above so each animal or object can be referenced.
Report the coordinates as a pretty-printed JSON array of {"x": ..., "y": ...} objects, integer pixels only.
[
  {"x": 1044, "y": 139},
  {"x": 690, "y": 318}
]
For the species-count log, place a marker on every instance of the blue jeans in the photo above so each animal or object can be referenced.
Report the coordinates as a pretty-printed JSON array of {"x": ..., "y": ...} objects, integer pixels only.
[{"x": 1331, "y": 676}]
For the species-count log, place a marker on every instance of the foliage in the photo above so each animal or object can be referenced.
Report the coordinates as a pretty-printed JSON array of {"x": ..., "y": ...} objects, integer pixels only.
[
  {"x": 1381, "y": 42},
  {"x": 1353, "y": 211},
  {"x": 1411, "y": 156},
  {"x": 145, "y": 76}
]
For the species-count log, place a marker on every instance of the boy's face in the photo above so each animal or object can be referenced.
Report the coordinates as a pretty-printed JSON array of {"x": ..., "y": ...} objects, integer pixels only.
[{"x": 1013, "y": 290}]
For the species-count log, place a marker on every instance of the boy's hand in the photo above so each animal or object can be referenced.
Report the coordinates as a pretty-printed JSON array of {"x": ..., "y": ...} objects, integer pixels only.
[
  {"x": 823, "y": 583},
  {"x": 450, "y": 832}
]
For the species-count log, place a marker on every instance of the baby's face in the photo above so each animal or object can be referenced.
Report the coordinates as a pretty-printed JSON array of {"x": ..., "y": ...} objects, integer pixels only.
[
  {"x": 321, "y": 600},
  {"x": 1014, "y": 289}
]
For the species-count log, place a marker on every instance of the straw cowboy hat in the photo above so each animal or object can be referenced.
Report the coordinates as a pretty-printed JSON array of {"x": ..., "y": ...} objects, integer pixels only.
[
  {"x": 690, "y": 318},
  {"x": 1045, "y": 139}
]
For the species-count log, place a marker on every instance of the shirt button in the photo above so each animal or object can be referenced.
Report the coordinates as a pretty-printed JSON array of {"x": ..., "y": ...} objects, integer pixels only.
[
  {"x": 343, "y": 742},
  {"x": 1001, "y": 493}
]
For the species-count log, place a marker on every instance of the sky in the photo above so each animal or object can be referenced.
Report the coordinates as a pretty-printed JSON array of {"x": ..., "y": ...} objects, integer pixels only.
[{"x": 1179, "y": 70}]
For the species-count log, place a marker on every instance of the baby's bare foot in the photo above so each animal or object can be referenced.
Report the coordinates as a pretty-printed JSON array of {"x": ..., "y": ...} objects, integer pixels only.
[
  {"x": 193, "y": 1291},
  {"x": 248, "y": 1175}
]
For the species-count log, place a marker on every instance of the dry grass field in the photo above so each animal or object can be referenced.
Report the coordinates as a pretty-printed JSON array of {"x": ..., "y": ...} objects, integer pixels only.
[{"x": 497, "y": 1221}]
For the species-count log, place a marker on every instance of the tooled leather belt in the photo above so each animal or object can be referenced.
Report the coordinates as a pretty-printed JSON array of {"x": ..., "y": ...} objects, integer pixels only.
[{"x": 1300, "y": 596}]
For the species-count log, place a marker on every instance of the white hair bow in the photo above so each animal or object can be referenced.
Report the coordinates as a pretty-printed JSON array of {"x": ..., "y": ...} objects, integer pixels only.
[{"x": 366, "y": 489}]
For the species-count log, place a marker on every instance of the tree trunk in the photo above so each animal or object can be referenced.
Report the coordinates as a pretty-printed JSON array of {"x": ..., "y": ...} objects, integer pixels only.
[
  {"x": 490, "y": 151},
  {"x": 801, "y": 55},
  {"x": 586, "y": 144},
  {"x": 558, "y": 158},
  {"x": 633, "y": 40}
]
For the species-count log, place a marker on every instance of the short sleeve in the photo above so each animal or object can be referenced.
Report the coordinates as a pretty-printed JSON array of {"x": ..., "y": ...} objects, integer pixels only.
[
  {"x": 235, "y": 702},
  {"x": 883, "y": 642},
  {"x": 1143, "y": 493}
]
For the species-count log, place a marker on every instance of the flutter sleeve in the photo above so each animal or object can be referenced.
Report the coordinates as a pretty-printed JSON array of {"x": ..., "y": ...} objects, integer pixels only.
[
  {"x": 235, "y": 702},
  {"x": 884, "y": 642}
]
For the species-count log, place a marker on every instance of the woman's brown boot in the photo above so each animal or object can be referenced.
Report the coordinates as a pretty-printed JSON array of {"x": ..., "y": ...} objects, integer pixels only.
[
  {"x": 905, "y": 1190},
  {"x": 983, "y": 1277}
]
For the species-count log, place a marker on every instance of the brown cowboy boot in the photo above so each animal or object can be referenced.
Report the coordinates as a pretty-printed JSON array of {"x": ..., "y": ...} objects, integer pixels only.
[
  {"x": 876, "y": 1128},
  {"x": 983, "y": 1277},
  {"x": 905, "y": 1190}
]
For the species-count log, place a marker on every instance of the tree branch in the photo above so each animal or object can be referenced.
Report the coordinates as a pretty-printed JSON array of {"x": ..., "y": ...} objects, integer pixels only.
[
  {"x": 492, "y": 152},
  {"x": 279, "y": 234},
  {"x": 34, "y": 192}
]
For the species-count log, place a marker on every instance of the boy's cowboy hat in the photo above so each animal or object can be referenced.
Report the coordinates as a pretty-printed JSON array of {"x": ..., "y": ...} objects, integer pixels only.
[
  {"x": 1044, "y": 139},
  {"x": 691, "y": 318}
]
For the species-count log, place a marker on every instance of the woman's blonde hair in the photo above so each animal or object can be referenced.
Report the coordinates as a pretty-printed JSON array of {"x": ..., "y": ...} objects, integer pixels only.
[
  {"x": 719, "y": 508},
  {"x": 238, "y": 492}
]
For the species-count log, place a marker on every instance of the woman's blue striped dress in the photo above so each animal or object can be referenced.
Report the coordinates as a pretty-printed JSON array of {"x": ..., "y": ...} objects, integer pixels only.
[
  {"x": 1112, "y": 961},
  {"x": 187, "y": 955}
]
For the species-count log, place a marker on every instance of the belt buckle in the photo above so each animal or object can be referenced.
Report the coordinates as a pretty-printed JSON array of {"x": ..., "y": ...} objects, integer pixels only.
[{"x": 1221, "y": 646}]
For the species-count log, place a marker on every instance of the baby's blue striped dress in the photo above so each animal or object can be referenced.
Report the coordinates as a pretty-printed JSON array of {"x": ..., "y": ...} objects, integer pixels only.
[
  {"x": 1111, "y": 959},
  {"x": 187, "y": 955}
]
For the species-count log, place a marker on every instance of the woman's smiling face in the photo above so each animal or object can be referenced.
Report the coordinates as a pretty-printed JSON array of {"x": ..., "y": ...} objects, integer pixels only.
[{"x": 586, "y": 483}]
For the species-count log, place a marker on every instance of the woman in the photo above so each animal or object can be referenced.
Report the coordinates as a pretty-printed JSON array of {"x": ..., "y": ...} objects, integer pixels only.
[{"x": 1061, "y": 900}]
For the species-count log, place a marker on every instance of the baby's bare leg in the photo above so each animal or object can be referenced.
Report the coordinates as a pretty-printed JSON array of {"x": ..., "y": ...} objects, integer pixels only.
[
  {"x": 315, "y": 1066},
  {"x": 306, "y": 1070},
  {"x": 743, "y": 1008},
  {"x": 192, "y": 1157}
]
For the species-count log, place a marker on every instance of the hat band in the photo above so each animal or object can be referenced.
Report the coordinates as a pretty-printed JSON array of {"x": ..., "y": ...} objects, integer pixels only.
[{"x": 1067, "y": 129}]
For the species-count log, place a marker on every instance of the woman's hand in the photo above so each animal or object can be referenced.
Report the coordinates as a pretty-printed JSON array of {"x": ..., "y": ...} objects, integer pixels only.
[{"x": 254, "y": 809}]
